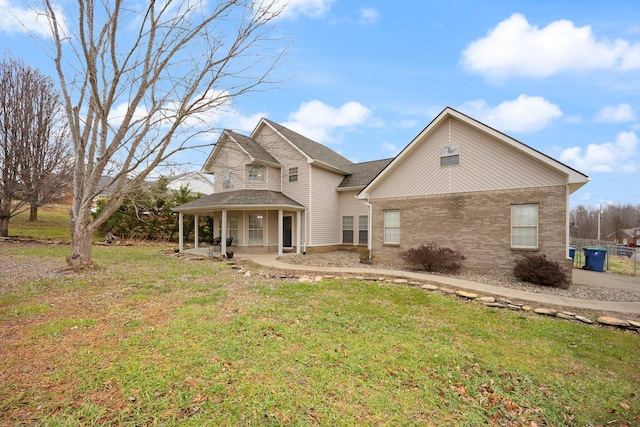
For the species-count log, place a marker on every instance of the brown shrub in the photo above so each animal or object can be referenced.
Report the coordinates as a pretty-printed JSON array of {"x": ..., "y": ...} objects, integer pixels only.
[
  {"x": 432, "y": 257},
  {"x": 537, "y": 269}
]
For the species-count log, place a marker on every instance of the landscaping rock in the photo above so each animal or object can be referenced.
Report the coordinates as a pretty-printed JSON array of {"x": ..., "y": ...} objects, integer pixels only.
[
  {"x": 613, "y": 321},
  {"x": 487, "y": 299},
  {"x": 545, "y": 311},
  {"x": 465, "y": 294},
  {"x": 634, "y": 324},
  {"x": 429, "y": 287},
  {"x": 400, "y": 281},
  {"x": 495, "y": 304},
  {"x": 584, "y": 319},
  {"x": 562, "y": 315},
  {"x": 447, "y": 290}
]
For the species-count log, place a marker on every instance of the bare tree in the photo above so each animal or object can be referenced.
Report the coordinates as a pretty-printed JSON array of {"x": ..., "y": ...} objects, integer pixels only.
[
  {"x": 44, "y": 162},
  {"x": 34, "y": 153},
  {"x": 140, "y": 82}
]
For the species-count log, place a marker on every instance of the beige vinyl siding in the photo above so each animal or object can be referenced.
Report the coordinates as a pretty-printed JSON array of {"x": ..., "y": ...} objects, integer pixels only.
[
  {"x": 485, "y": 164},
  {"x": 230, "y": 154},
  {"x": 350, "y": 206},
  {"x": 274, "y": 181},
  {"x": 289, "y": 157},
  {"x": 324, "y": 214}
]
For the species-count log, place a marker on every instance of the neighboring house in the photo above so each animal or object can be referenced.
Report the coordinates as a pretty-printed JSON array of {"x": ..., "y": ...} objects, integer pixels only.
[
  {"x": 629, "y": 237},
  {"x": 196, "y": 182},
  {"x": 459, "y": 183}
]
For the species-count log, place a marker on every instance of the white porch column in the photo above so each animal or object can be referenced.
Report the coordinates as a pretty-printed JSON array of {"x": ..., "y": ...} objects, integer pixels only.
[
  {"x": 223, "y": 238},
  {"x": 196, "y": 238},
  {"x": 180, "y": 231},
  {"x": 298, "y": 227},
  {"x": 280, "y": 232}
]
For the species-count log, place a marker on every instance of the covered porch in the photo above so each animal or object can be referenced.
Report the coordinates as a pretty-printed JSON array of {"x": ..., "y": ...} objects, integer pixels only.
[{"x": 249, "y": 221}]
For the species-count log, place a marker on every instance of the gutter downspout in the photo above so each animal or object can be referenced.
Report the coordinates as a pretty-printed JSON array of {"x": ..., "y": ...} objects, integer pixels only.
[{"x": 370, "y": 225}]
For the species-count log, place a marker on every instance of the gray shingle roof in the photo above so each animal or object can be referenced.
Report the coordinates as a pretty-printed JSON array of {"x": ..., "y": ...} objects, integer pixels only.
[
  {"x": 239, "y": 198},
  {"x": 313, "y": 149},
  {"x": 363, "y": 173},
  {"x": 254, "y": 149}
]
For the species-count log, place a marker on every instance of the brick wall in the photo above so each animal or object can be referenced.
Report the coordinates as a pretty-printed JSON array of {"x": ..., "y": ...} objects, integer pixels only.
[{"x": 476, "y": 224}]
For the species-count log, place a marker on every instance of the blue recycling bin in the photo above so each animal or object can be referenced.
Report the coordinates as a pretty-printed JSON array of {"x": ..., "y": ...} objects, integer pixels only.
[
  {"x": 594, "y": 259},
  {"x": 572, "y": 254}
]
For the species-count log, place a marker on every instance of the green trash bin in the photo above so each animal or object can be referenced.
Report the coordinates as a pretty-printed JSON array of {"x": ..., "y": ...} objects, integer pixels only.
[{"x": 594, "y": 259}]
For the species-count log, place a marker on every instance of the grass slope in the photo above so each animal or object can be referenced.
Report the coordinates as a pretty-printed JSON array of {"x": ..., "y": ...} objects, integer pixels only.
[
  {"x": 150, "y": 339},
  {"x": 54, "y": 222}
]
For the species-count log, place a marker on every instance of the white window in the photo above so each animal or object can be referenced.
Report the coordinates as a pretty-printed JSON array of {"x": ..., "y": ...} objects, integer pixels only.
[
  {"x": 227, "y": 179},
  {"x": 450, "y": 155},
  {"x": 256, "y": 173},
  {"x": 347, "y": 229},
  {"x": 255, "y": 229},
  {"x": 293, "y": 174},
  {"x": 524, "y": 226},
  {"x": 232, "y": 227},
  {"x": 363, "y": 229},
  {"x": 392, "y": 226}
]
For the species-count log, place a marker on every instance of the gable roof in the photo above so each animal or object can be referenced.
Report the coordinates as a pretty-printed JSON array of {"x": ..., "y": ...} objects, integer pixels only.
[
  {"x": 256, "y": 151},
  {"x": 363, "y": 173},
  {"x": 575, "y": 179},
  {"x": 314, "y": 151}
]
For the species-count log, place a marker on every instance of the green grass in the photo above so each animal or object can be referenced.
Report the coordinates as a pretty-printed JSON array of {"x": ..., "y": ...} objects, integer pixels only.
[
  {"x": 149, "y": 339},
  {"x": 53, "y": 222},
  {"x": 623, "y": 266}
]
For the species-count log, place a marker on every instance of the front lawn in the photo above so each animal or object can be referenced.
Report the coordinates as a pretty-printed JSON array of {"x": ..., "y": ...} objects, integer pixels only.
[{"x": 151, "y": 339}]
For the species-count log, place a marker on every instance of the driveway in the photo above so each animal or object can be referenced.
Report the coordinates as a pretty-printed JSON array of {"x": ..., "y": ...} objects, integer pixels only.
[{"x": 606, "y": 280}]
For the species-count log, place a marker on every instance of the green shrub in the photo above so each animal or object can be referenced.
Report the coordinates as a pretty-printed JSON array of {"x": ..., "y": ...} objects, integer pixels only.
[
  {"x": 537, "y": 269},
  {"x": 431, "y": 257}
]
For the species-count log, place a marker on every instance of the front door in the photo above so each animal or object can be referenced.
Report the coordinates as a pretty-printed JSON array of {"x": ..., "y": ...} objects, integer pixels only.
[{"x": 287, "y": 227}]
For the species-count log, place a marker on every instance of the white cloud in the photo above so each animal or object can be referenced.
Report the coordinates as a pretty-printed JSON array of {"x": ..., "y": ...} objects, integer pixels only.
[
  {"x": 390, "y": 148},
  {"x": 20, "y": 19},
  {"x": 369, "y": 15},
  {"x": 616, "y": 114},
  {"x": 524, "y": 114},
  {"x": 310, "y": 8},
  {"x": 607, "y": 157},
  {"x": 320, "y": 122},
  {"x": 517, "y": 48}
]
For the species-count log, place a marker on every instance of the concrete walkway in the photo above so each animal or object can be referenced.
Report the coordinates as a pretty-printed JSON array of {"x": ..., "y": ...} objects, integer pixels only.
[{"x": 580, "y": 276}]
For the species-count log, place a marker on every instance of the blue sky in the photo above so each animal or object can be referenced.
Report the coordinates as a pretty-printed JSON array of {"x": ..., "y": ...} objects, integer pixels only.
[{"x": 365, "y": 77}]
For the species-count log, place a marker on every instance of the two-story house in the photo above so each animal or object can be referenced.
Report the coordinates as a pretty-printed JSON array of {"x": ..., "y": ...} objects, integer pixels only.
[{"x": 459, "y": 183}]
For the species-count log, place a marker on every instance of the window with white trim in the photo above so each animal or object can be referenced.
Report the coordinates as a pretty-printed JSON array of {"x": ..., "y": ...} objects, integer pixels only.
[
  {"x": 363, "y": 229},
  {"x": 524, "y": 226},
  {"x": 392, "y": 226},
  {"x": 256, "y": 224},
  {"x": 227, "y": 179},
  {"x": 347, "y": 229},
  {"x": 293, "y": 174},
  {"x": 256, "y": 173},
  {"x": 232, "y": 227},
  {"x": 450, "y": 155}
]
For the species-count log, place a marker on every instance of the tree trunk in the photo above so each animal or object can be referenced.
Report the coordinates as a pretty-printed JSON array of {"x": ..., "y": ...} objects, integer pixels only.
[
  {"x": 81, "y": 238},
  {"x": 33, "y": 213},
  {"x": 4, "y": 226},
  {"x": 80, "y": 249}
]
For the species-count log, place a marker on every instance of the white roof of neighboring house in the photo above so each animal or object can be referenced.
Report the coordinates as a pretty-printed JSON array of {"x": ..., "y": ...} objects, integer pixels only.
[{"x": 197, "y": 182}]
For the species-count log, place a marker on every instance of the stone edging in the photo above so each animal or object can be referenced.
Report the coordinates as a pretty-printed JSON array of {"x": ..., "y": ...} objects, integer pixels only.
[{"x": 488, "y": 301}]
